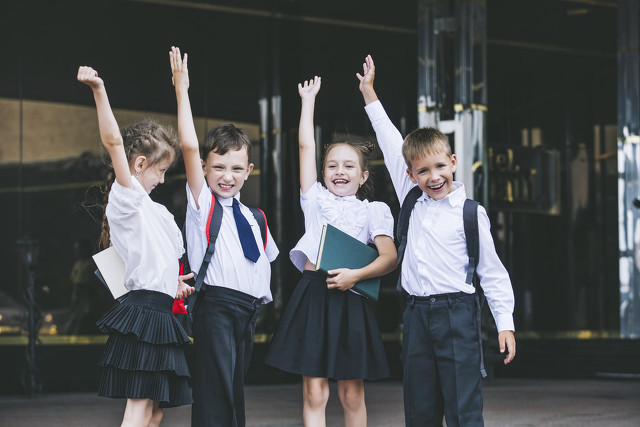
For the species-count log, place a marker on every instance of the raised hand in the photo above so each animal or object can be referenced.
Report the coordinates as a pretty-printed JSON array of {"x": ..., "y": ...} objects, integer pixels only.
[
  {"x": 89, "y": 76},
  {"x": 368, "y": 74},
  {"x": 310, "y": 88},
  {"x": 179, "y": 68},
  {"x": 366, "y": 81}
]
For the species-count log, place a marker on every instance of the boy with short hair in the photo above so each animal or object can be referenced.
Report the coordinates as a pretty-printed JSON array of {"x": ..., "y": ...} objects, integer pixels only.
[
  {"x": 441, "y": 343},
  {"x": 237, "y": 280}
]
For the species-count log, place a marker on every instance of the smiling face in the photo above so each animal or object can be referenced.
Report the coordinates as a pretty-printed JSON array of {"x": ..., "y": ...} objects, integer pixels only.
[
  {"x": 342, "y": 172},
  {"x": 227, "y": 173},
  {"x": 433, "y": 172},
  {"x": 151, "y": 176}
]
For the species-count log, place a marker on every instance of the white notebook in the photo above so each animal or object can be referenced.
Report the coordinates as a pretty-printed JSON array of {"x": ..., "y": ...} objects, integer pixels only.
[{"x": 112, "y": 268}]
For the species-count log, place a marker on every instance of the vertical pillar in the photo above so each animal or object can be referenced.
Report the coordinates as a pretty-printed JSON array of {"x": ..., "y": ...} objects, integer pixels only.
[
  {"x": 629, "y": 167},
  {"x": 429, "y": 91},
  {"x": 470, "y": 95}
]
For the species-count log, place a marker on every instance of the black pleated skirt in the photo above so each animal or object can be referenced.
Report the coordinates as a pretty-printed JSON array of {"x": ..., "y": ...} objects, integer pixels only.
[
  {"x": 328, "y": 333},
  {"x": 144, "y": 355}
]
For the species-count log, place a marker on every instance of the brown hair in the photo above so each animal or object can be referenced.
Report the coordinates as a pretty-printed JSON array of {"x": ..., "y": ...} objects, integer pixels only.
[
  {"x": 143, "y": 138},
  {"x": 363, "y": 149},
  {"x": 424, "y": 141},
  {"x": 223, "y": 138}
]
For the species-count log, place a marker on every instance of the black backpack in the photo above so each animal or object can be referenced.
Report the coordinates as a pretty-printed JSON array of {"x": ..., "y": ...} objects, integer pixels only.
[
  {"x": 472, "y": 237},
  {"x": 214, "y": 222}
]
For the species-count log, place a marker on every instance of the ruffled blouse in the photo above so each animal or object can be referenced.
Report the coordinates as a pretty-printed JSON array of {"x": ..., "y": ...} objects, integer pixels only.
[
  {"x": 147, "y": 238},
  {"x": 361, "y": 219}
]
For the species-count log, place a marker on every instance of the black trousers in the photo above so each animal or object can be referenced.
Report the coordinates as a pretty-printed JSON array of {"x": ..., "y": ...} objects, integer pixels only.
[
  {"x": 224, "y": 322},
  {"x": 441, "y": 361}
]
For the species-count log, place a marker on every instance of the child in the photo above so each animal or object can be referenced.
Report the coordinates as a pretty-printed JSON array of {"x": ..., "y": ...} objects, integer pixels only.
[
  {"x": 327, "y": 330},
  {"x": 143, "y": 360},
  {"x": 225, "y": 312},
  {"x": 441, "y": 346}
]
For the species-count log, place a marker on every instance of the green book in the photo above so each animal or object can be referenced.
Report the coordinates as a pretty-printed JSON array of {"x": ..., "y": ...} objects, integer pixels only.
[{"x": 339, "y": 250}]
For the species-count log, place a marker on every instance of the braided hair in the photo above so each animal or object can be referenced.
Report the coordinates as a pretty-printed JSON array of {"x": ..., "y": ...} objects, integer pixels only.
[{"x": 143, "y": 138}]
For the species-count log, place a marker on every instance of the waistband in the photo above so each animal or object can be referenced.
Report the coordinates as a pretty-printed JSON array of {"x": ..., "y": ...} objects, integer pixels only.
[
  {"x": 152, "y": 299},
  {"x": 222, "y": 292},
  {"x": 314, "y": 274},
  {"x": 450, "y": 297}
]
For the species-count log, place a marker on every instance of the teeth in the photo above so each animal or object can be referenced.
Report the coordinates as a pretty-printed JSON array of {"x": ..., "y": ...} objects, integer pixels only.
[{"x": 436, "y": 187}]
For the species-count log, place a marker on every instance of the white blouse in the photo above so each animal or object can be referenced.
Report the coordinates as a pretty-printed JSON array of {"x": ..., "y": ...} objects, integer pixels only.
[
  {"x": 361, "y": 219},
  {"x": 146, "y": 237}
]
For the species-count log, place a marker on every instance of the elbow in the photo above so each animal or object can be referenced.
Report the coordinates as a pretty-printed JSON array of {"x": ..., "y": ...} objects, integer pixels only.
[{"x": 112, "y": 140}]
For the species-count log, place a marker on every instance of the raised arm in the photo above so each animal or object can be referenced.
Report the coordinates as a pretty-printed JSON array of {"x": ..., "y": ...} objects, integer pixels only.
[
  {"x": 109, "y": 130},
  {"x": 366, "y": 81},
  {"x": 186, "y": 129},
  {"x": 306, "y": 135}
]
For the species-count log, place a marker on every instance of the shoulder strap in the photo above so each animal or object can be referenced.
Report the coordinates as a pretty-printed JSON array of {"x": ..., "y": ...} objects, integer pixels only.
[
  {"x": 403, "y": 219},
  {"x": 470, "y": 219},
  {"x": 213, "y": 228},
  {"x": 262, "y": 222},
  {"x": 403, "y": 225},
  {"x": 472, "y": 235}
]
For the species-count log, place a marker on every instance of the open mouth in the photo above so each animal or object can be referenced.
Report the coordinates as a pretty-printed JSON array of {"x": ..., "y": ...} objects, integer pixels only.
[
  {"x": 436, "y": 187},
  {"x": 225, "y": 187},
  {"x": 340, "y": 182}
]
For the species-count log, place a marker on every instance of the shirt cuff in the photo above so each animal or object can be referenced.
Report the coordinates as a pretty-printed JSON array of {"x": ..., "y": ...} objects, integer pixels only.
[{"x": 504, "y": 322}]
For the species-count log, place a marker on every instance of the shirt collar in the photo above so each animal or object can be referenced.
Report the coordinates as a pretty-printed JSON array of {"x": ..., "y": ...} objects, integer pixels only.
[
  {"x": 136, "y": 184},
  {"x": 455, "y": 198},
  {"x": 227, "y": 201}
]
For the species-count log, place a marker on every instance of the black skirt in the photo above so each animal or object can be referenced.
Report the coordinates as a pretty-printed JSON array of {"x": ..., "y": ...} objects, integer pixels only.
[
  {"x": 328, "y": 333},
  {"x": 144, "y": 355}
]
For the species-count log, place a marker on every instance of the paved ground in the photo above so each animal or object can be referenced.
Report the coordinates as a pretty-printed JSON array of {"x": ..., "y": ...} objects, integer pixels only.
[{"x": 508, "y": 402}]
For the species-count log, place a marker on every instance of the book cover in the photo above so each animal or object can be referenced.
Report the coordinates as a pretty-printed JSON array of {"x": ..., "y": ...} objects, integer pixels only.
[
  {"x": 339, "y": 250},
  {"x": 111, "y": 267}
]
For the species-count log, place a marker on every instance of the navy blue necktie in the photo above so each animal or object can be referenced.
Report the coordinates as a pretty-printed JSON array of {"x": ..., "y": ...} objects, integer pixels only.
[{"x": 247, "y": 239}]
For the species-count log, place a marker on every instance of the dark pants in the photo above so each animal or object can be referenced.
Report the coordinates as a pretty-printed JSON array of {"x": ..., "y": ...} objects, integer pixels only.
[
  {"x": 441, "y": 361},
  {"x": 223, "y": 326}
]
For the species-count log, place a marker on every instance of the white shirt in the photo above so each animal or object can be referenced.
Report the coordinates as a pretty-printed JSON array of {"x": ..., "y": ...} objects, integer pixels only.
[
  {"x": 435, "y": 260},
  {"x": 228, "y": 268},
  {"x": 147, "y": 238},
  {"x": 361, "y": 219}
]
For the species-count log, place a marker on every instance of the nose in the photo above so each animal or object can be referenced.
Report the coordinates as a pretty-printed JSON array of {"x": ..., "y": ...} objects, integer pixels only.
[{"x": 162, "y": 179}]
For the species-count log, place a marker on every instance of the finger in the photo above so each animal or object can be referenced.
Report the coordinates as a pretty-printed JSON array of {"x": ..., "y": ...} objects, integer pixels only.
[{"x": 184, "y": 62}]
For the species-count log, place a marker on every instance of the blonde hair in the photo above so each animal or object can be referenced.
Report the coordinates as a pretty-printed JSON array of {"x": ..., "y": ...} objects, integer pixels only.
[{"x": 424, "y": 141}]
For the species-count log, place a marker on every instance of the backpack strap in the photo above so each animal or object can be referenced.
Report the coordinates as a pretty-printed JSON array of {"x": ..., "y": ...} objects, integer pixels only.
[
  {"x": 470, "y": 219},
  {"x": 213, "y": 228},
  {"x": 402, "y": 228},
  {"x": 261, "y": 218},
  {"x": 403, "y": 220}
]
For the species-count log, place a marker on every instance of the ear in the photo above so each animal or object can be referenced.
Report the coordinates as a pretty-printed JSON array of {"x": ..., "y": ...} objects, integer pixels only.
[
  {"x": 454, "y": 163},
  {"x": 365, "y": 176},
  {"x": 139, "y": 164},
  {"x": 413, "y": 179},
  {"x": 204, "y": 167},
  {"x": 249, "y": 169}
]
